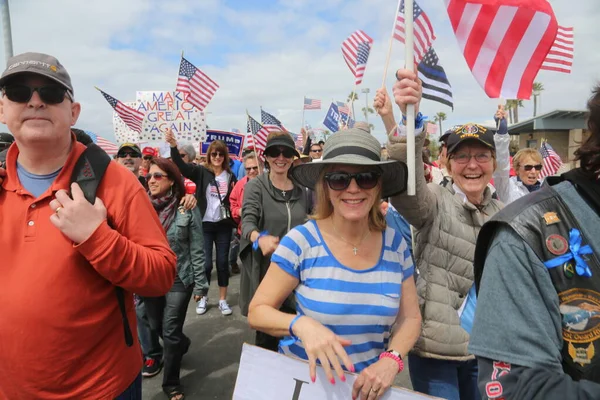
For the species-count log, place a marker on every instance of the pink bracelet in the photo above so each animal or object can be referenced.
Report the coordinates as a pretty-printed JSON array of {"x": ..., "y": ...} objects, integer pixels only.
[{"x": 394, "y": 357}]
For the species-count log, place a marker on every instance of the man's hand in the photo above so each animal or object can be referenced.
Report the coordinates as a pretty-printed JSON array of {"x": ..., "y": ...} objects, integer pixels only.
[
  {"x": 170, "y": 138},
  {"x": 382, "y": 103},
  {"x": 188, "y": 202},
  {"x": 407, "y": 90},
  {"x": 76, "y": 218}
]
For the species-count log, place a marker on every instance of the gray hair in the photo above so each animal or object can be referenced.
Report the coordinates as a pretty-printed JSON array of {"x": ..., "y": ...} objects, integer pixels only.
[
  {"x": 189, "y": 149},
  {"x": 249, "y": 156}
]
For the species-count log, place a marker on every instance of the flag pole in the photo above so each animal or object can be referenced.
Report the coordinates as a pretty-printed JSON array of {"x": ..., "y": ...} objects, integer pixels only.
[
  {"x": 389, "y": 52},
  {"x": 352, "y": 104},
  {"x": 260, "y": 170},
  {"x": 303, "y": 110},
  {"x": 410, "y": 108}
]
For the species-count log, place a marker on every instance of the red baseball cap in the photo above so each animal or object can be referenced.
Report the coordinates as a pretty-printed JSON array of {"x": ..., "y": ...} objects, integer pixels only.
[{"x": 149, "y": 151}]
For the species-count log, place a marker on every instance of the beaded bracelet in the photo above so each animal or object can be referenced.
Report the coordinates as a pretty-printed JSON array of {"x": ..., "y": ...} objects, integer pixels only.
[{"x": 394, "y": 357}]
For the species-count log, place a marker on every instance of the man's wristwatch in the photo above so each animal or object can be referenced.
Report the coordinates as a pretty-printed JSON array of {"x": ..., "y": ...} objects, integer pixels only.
[{"x": 394, "y": 355}]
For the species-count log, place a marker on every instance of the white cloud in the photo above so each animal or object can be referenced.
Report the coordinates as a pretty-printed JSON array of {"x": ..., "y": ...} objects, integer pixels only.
[{"x": 269, "y": 55}]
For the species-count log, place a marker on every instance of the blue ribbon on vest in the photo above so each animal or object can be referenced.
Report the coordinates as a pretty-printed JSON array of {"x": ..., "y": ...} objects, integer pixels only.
[{"x": 576, "y": 253}]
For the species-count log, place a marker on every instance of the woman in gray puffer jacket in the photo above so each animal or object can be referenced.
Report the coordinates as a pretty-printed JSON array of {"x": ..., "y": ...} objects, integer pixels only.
[
  {"x": 272, "y": 206},
  {"x": 447, "y": 221}
]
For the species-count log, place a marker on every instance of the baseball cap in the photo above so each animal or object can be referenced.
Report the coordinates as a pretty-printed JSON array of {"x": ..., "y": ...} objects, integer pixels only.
[
  {"x": 37, "y": 63},
  {"x": 149, "y": 151},
  {"x": 470, "y": 131},
  {"x": 132, "y": 146}
]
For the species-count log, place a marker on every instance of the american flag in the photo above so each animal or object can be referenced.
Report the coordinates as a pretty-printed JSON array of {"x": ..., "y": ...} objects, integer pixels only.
[
  {"x": 356, "y": 51},
  {"x": 132, "y": 117},
  {"x": 270, "y": 123},
  {"x": 312, "y": 104},
  {"x": 343, "y": 107},
  {"x": 560, "y": 57},
  {"x": 550, "y": 160},
  {"x": 259, "y": 134},
  {"x": 436, "y": 86},
  {"x": 423, "y": 31},
  {"x": 109, "y": 147},
  {"x": 504, "y": 42},
  {"x": 199, "y": 88}
]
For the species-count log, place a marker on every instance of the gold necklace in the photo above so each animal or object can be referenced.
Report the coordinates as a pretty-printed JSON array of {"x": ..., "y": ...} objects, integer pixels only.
[{"x": 354, "y": 246}]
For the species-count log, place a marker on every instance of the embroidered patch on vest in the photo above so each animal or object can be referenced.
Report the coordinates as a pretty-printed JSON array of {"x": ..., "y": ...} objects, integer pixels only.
[
  {"x": 557, "y": 244},
  {"x": 580, "y": 310},
  {"x": 551, "y": 218},
  {"x": 582, "y": 355}
]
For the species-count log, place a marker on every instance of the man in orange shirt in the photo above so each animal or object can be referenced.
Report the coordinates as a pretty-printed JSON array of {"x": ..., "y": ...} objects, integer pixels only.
[{"x": 62, "y": 336}]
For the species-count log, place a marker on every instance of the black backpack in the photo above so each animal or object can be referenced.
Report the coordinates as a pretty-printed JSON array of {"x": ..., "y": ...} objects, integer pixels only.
[{"x": 88, "y": 173}]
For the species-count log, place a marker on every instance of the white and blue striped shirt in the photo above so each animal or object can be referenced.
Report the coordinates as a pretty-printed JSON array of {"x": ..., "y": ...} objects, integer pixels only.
[{"x": 359, "y": 305}]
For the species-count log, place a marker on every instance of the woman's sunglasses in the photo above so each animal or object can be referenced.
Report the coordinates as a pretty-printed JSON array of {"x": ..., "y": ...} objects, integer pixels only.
[
  {"x": 341, "y": 180},
  {"x": 49, "y": 94},
  {"x": 156, "y": 175},
  {"x": 276, "y": 152},
  {"x": 215, "y": 154},
  {"x": 537, "y": 167}
]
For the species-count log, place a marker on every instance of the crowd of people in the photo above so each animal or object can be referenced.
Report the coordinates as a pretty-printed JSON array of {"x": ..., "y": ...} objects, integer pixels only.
[{"x": 485, "y": 282}]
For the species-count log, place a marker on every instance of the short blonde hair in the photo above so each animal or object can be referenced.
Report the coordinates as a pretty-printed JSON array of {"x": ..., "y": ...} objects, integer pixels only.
[
  {"x": 523, "y": 154},
  {"x": 323, "y": 207}
]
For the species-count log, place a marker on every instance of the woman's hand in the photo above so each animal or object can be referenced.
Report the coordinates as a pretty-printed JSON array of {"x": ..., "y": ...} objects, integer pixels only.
[
  {"x": 382, "y": 103},
  {"x": 188, "y": 202},
  {"x": 375, "y": 380},
  {"x": 170, "y": 138},
  {"x": 407, "y": 90},
  {"x": 322, "y": 344},
  {"x": 268, "y": 244}
]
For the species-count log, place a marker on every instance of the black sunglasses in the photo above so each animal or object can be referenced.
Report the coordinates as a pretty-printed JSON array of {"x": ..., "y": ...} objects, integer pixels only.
[
  {"x": 277, "y": 151},
  {"x": 216, "y": 154},
  {"x": 147, "y": 158},
  {"x": 252, "y": 169},
  {"x": 49, "y": 94},
  {"x": 156, "y": 175},
  {"x": 131, "y": 154},
  {"x": 530, "y": 167},
  {"x": 341, "y": 180}
]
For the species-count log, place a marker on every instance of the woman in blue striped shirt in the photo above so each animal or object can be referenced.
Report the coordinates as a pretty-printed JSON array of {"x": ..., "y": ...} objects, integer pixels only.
[{"x": 349, "y": 272}]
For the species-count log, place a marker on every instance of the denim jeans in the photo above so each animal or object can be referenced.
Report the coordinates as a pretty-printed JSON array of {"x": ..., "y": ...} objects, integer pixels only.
[
  {"x": 220, "y": 235},
  {"x": 133, "y": 392},
  {"x": 148, "y": 337},
  {"x": 452, "y": 380},
  {"x": 166, "y": 315}
]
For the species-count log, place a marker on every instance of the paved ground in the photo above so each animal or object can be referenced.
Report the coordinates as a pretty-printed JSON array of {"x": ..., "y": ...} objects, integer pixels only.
[{"x": 209, "y": 370}]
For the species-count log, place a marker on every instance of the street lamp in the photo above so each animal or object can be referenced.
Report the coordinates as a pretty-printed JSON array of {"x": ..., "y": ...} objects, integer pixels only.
[{"x": 366, "y": 92}]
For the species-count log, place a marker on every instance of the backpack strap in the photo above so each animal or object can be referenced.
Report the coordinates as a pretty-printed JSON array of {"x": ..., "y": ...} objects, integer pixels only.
[{"x": 88, "y": 173}]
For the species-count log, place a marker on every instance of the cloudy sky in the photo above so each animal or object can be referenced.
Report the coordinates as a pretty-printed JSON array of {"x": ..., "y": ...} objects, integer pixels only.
[{"x": 267, "y": 53}]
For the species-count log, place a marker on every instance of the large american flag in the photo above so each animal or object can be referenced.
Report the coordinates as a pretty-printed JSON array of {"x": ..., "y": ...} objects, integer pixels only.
[
  {"x": 199, "y": 88},
  {"x": 356, "y": 51},
  {"x": 504, "y": 42},
  {"x": 423, "y": 31},
  {"x": 343, "y": 107},
  {"x": 109, "y": 147},
  {"x": 436, "y": 86},
  {"x": 270, "y": 123},
  {"x": 259, "y": 134},
  {"x": 132, "y": 117},
  {"x": 560, "y": 57},
  {"x": 312, "y": 104},
  {"x": 550, "y": 160}
]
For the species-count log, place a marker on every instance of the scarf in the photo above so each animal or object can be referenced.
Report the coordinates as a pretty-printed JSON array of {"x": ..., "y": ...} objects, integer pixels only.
[
  {"x": 531, "y": 188},
  {"x": 165, "y": 207}
]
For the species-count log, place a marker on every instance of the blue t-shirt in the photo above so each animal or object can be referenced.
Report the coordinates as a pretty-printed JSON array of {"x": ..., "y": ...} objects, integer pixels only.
[
  {"x": 359, "y": 305},
  {"x": 35, "y": 184}
]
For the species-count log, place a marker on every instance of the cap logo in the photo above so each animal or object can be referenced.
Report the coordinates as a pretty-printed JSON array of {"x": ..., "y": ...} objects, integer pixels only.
[
  {"x": 53, "y": 68},
  {"x": 31, "y": 62}
]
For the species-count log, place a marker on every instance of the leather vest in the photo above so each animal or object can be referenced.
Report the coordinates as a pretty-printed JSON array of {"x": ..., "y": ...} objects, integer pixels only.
[{"x": 544, "y": 222}]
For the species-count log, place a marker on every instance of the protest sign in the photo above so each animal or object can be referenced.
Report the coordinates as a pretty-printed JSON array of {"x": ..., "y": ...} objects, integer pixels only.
[
  {"x": 234, "y": 142},
  {"x": 332, "y": 119},
  {"x": 266, "y": 375}
]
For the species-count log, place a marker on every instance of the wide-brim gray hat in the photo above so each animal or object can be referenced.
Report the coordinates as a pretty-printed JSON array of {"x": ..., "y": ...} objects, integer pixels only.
[{"x": 354, "y": 147}]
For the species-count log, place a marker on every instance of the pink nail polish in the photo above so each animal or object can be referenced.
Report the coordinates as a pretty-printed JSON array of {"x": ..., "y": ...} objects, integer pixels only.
[
  {"x": 332, "y": 381},
  {"x": 313, "y": 379},
  {"x": 352, "y": 369},
  {"x": 343, "y": 378}
]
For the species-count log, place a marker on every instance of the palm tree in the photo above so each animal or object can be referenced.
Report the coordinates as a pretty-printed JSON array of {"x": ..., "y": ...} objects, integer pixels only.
[
  {"x": 352, "y": 96},
  {"x": 538, "y": 88},
  {"x": 513, "y": 110},
  {"x": 439, "y": 117},
  {"x": 367, "y": 111}
]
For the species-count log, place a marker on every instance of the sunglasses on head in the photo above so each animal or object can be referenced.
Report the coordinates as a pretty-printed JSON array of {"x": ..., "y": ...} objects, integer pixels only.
[
  {"x": 156, "y": 175},
  {"x": 216, "y": 154},
  {"x": 276, "y": 152},
  {"x": 341, "y": 180},
  {"x": 537, "y": 167},
  {"x": 49, "y": 94},
  {"x": 131, "y": 154}
]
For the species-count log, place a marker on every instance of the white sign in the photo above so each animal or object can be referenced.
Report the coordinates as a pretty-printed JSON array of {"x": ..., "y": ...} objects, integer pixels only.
[{"x": 266, "y": 375}]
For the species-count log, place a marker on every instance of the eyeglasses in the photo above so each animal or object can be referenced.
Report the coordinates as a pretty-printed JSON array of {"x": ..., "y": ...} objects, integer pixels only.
[
  {"x": 183, "y": 155},
  {"x": 128, "y": 153},
  {"x": 277, "y": 151},
  {"x": 341, "y": 180},
  {"x": 537, "y": 167},
  {"x": 156, "y": 175},
  {"x": 464, "y": 158},
  {"x": 251, "y": 169},
  {"x": 147, "y": 158},
  {"x": 49, "y": 94},
  {"x": 216, "y": 154},
  {"x": 316, "y": 151}
]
